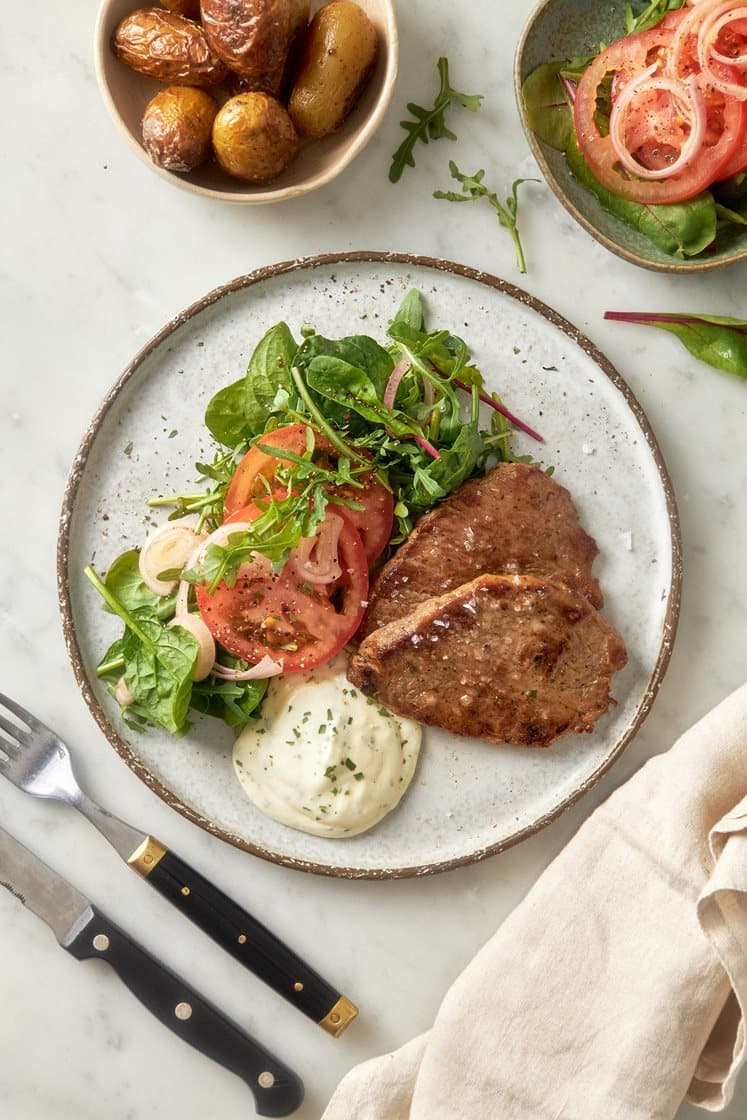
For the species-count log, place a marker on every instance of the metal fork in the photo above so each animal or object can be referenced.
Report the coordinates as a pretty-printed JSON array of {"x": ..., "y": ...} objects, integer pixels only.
[{"x": 38, "y": 762}]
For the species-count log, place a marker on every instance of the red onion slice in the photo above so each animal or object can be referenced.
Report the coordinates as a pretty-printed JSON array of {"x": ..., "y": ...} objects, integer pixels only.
[
  {"x": 687, "y": 101},
  {"x": 392, "y": 384}
]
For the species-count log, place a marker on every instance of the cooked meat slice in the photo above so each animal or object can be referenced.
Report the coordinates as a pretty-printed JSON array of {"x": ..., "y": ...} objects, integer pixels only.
[
  {"x": 511, "y": 659},
  {"x": 514, "y": 519}
]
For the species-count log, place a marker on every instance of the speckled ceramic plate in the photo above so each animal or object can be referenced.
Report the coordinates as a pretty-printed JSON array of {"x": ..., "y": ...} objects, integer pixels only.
[
  {"x": 560, "y": 29},
  {"x": 468, "y": 799}
]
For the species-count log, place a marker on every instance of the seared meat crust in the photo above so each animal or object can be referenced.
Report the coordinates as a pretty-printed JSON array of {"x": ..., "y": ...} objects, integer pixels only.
[
  {"x": 511, "y": 659},
  {"x": 515, "y": 519}
]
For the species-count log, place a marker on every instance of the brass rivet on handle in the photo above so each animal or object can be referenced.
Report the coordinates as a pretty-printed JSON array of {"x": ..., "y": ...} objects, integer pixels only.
[
  {"x": 183, "y": 1011},
  {"x": 241, "y": 939},
  {"x": 185, "y": 890},
  {"x": 101, "y": 942},
  {"x": 266, "y": 1079},
  {"x": 298, "y": 986}
]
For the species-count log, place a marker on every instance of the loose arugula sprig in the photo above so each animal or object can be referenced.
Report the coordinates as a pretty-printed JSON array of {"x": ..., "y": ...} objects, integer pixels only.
[
  {"x": 430, "y": 124},
  {"x": 475, "y": 189}
]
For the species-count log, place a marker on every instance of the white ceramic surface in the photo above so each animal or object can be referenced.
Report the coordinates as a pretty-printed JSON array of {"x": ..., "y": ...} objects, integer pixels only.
[
  {"x": 468, "y": 798},
  {"x": 126, "y": 94},
  {"x": 98, "y": 252}
]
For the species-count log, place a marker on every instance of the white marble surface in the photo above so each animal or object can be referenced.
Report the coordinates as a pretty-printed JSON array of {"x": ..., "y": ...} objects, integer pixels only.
[{"x": 98, "y": 253}]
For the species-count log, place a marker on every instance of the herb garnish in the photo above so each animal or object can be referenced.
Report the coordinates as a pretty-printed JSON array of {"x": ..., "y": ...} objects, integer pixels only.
[
  {"x": 429, "y": 124},
  {"x": 474, "y": 189}
]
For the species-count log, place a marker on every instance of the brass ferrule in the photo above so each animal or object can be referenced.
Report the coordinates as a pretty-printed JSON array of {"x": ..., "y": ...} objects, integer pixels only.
[
  {"x": 339, "y": 1017},
  {"x": 146, "y": 856}
]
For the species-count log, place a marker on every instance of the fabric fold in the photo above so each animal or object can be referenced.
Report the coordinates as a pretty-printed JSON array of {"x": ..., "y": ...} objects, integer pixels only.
[{"x": 619, "y": 985}]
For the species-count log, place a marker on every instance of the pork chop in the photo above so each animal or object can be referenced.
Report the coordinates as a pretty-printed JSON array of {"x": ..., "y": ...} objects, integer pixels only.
[
  {"x": 511, "y": 659},
  {"x": 515, "y": 519}
]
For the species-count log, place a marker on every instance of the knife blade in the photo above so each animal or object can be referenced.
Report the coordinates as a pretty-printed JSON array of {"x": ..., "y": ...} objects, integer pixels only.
[{"x": 85, "y": 932}]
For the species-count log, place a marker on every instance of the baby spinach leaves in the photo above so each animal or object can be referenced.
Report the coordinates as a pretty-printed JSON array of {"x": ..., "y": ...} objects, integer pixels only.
[
  {"x": 157, "y": 662},
  {"x": 243, "y": 409},
  {"x": 717, "y": 340}
]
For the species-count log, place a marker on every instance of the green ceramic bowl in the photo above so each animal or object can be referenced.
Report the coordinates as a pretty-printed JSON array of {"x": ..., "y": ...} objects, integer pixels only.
[{"x": 560, "y": 29}]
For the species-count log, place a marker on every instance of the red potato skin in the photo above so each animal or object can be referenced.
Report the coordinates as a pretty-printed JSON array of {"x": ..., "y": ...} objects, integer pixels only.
[{"x": 255, "y": 38}]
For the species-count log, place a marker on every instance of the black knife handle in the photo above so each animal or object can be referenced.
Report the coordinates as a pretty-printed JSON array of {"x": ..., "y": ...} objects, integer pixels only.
[
  {"x": 277, "y": 1090},
  {"x": 246, "y": 939}
]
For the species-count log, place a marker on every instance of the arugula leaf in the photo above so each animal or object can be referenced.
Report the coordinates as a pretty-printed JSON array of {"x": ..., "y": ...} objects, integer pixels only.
[
  {"x": 242, "y": 409},
  {"x": 717, "y": 340},
  {"x": 430, "y": 124},
  {"x": 683, "y": 229},
  {"x": 652, "y": 14},
  {"x": 474, "y": 189}
]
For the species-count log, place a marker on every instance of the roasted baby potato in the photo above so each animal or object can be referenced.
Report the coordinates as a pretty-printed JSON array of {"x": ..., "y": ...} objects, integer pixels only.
[
  {"x": 188, "y": 8},
  {"x": 167, "y": 47},
  {"x": 255, "y": 37},
  {"x": 338, "y": 55},
  {"x": 177, "y": 127},
  {"x": 253, "y": 137}
]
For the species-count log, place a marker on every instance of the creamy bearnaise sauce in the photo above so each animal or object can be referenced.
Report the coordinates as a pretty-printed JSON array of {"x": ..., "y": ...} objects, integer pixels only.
[{"x": 324, "y": 758}]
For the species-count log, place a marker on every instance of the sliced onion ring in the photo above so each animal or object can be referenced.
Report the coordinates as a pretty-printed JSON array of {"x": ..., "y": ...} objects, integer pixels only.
[
  {"x": 219, "y": 537},
  {"x": 315, "y": 560},
  {"x": 711, "y": 27},
  {"x": 168, "y": 546},
  {"x": 194, "y": 624},
  {"x": 261, "y": 671},
  {"x": 690, "y": 102}
]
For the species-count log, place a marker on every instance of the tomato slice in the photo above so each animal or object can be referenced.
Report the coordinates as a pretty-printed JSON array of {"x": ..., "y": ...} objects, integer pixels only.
[
  {"x": 297, "y": 623},
  {"x": 247, "y": 483},
  {"x": 373, "y": 521},
  {"x": 654, "y": 133}
]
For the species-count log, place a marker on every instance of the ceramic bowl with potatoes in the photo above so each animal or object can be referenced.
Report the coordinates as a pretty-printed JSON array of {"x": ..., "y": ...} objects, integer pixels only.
[{"x": 247, "y": 100}]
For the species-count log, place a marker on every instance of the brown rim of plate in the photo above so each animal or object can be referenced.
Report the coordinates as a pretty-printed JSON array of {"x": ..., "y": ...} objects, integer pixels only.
[
  {"x": 365, "y": 257},
  {"x": 683, "y": 267}
]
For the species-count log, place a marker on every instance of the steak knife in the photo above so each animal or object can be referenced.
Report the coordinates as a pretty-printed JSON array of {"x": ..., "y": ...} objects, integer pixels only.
[{"x": 85, "y": 932}]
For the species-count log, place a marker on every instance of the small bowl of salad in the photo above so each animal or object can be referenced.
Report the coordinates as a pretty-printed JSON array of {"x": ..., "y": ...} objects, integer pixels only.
[{"x": 636, "y": 113}]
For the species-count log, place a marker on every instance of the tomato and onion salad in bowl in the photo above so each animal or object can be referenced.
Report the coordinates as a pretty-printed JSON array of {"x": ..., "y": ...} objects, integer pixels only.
[{"x": 671, "y": 131}]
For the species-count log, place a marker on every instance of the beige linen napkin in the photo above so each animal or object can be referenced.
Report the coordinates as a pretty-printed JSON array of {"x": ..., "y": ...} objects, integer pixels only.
[{"x": 619, "y": 985}]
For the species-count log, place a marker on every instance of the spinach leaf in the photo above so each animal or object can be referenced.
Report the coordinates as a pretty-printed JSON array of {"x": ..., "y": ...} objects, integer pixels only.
[
  {"x": 683, "y": 229},
  {"x": 159, "y": 662},
  {"x": 718, "y": 340},
  {"x": 241, "y": 410},
  {"x": 357, "y": 350},
  {"x": 235, "y": 702},
  {"x": 352, "y": 388},
  {"x": 124, "y": 581}
]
